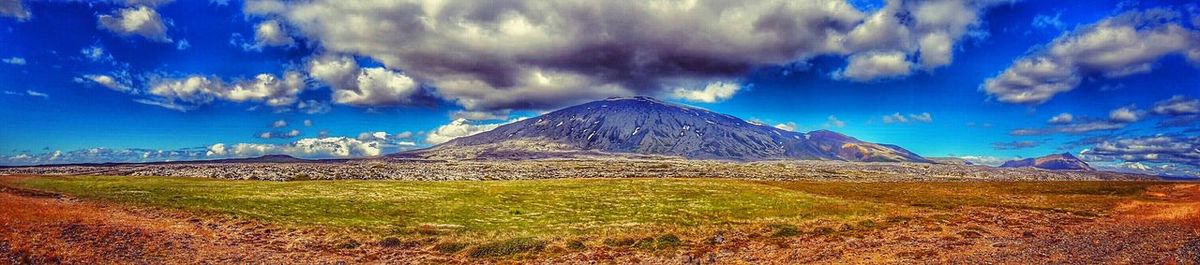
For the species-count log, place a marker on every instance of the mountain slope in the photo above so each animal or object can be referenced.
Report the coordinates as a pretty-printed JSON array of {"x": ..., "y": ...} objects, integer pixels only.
[
  {"x": 1064, "y": 161},
  {"x": 646, "y": 126}
]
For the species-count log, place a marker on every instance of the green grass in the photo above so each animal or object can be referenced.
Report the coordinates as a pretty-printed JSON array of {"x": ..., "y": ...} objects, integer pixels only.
[
  {"x": 511, "y": 209},
  {"x": 487, "y": 219},
  {"x": 1084, "y": 197}
]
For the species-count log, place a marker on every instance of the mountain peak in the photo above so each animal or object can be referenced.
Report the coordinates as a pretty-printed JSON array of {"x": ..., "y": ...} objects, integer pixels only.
[
  {"x": 648, "y": 126},
  {"x": 1063, "y": 161}
]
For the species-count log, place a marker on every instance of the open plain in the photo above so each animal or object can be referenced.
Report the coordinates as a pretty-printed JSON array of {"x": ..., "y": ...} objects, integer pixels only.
[{"x": 614, "y": 219}]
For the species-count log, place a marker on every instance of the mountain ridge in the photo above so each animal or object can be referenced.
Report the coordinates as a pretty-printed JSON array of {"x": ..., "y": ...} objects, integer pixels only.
[
  {"x": 648, "y": 126},
  {"x": 1063, "y": 161}
]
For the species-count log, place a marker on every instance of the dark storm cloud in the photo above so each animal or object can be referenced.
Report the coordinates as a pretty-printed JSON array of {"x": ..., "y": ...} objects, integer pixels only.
[{"x": 517, "y": 54}]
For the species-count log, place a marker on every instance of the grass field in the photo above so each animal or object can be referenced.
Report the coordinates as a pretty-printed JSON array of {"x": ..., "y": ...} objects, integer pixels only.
[
  {"x": 511, "y": 208},
  {"x": 502, "y": 218}
]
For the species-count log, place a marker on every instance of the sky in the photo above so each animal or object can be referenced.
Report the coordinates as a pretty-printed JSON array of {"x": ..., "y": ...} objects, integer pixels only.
[{"x": 1114, "y": 82}]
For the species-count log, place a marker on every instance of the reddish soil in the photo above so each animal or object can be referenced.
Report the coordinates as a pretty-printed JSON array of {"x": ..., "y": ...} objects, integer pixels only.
[{"x": 45, "y": 228}]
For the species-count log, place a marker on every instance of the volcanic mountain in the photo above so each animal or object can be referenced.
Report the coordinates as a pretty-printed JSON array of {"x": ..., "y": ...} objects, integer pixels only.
[
  {"x": 1064, "y": 161},
  {"x": 647, "y": 126}
]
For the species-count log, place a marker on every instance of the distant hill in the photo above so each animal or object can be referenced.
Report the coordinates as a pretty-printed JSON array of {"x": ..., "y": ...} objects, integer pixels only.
[
  {"x": 647, "y": 126},
  {"x": 1064, "y": 161},
  {"x": 951, "y": 161},
  {"x": 261, "y": 159}
]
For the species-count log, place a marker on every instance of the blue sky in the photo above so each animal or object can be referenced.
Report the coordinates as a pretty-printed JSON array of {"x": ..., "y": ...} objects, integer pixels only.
[{"x": 169, "y": 80}]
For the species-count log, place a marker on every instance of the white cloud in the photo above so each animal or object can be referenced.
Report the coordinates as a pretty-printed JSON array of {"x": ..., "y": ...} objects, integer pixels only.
[
  {"x": 292, "y": 133},
  {"x": 32, "y": 93},
  {"x": 1047, "y": 21},
  {"x": 183, "y": 45},
  {"x": 108, "y": 82},
  {"x": 14, "y": 61},
  {"x": 279, "y": 124},
  {"x": 531, "y": 54},
  {"x": 1061, "y": 118},
  {"x": 479, "y": 115},
  {"x": 308, "y": 123},
  {"x": 873, "y": 66},
  {"x": 199, "y": 90},
  {"x": 335, "y": 147},
  {"x": 1123, "y": 115},
  {"x": 267, "y": 88},
  {"x": 142, "y": 21},
  {"x": 216, "y": 150},
  {"x": 923, "y": 117},
  {"x": 833, "y": 121},
  {"x": 314, "y": 107},
  {"x": 95, "y": 53},
  {"x": 984, "y": 160},
  {"x": 14, "y": 9},
  {"x": 713, "y": 92},
  {"x": 271, "y": 33},
  {"x": 373, "y": 86},
  {"x": 1118, "y": 46},
  {"x": 895, "y": 118},
  {"x": 1177, "y": 105},
  {"x": 787, "y": 126},
  {"x": 460, "y": 128},
  {"x": 1070, "y": 128}
]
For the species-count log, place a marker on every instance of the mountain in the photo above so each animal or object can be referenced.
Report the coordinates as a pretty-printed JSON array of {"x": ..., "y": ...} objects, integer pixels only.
[
  {"x": 647, "y": 126},
  {"x": 260, "y": 159},
  {"x": 1064, "y": 161},
  {"x": 951, "y": 161}
]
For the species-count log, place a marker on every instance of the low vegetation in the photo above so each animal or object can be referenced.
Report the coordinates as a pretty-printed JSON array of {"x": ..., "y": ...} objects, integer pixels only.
[{"x": 488, "y": 219}]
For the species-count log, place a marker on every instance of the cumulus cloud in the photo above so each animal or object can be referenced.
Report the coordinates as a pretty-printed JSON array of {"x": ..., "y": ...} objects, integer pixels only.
[
  {"x": 14, "y": 9},
  {"x": 279, "y": 124},
  {"x": 460, "y": 128},
  {"x": 107, "y": 81},
  {"x": 98, "y": 155},
  {"x": 1061, "y": 118},
  {"x": 142, "y": 21},
  {"x": 372, "y": 86},
  {"x": 530, "y": 54},
  {"x": 271, "y": 33},
  {"x": 199, "y": 90},
  {"x": 1180, "y": 151},
  {"x": 308, "y": 123},
  {"x": 873, "y": 66},
  {"x": 14, "y": 61},
  {"x": 1122, "y": 45},
  {"x": 1177, "y": 105},
  {"x": 1123, "y": 115},
  {"x": 713, "y": 92},
  {"x": 329, "y": 147}
]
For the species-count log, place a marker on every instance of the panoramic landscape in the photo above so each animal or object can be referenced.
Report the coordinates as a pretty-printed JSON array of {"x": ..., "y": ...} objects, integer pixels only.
[{"x": 610, "y": 132}]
